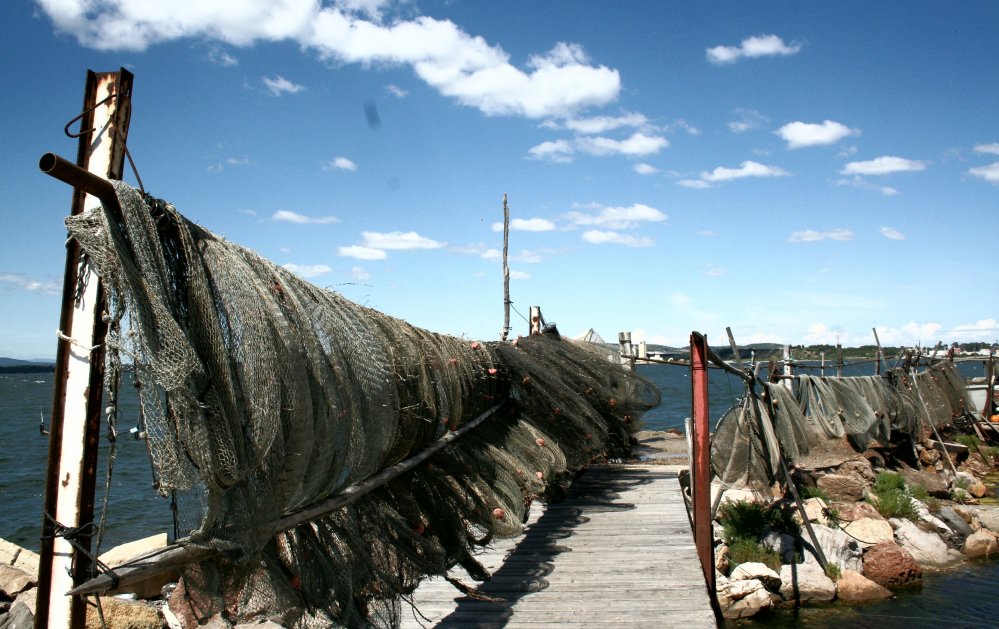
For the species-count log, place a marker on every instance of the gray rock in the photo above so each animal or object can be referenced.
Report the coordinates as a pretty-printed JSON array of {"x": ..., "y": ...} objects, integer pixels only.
[
  {"x": 744, "y": 598},
  {"x": 854, "y": 587},
  {"x": 926, "y": 548},
  {"x": 783, "y": 544},
  {"x": 845, "y": 487},
  {"x": 759, "y": 571},
  {"x": 955, "y": 521},
  {"x": 806, "y": 583},
  {"x": 869, "y": 531},
  {"x": 837, "y": 546},
  {"x": 14, "y": 581},
  {"x": 20, "y": 617},
  {"x": 981, "y": 545}
]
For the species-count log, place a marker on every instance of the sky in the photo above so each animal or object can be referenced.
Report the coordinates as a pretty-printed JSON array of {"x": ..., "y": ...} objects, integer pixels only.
[{"x": 800, "y": 172}]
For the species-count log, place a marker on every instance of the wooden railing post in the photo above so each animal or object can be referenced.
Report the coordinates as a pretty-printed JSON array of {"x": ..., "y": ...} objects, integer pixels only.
[{"x": 700, "y": 464}]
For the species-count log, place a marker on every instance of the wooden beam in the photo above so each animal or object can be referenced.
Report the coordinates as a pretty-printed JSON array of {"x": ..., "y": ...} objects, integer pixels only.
[
  {"x": 700, "y": 463},
  {"x": 79, "y": 377}
]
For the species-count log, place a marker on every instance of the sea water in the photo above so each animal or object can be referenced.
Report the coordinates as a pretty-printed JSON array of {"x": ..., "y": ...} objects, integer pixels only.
[{"x": 961, "y": 598}]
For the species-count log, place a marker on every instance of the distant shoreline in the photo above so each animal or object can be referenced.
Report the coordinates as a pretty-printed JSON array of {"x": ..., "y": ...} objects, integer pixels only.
[{"x": 28, "y": 369}]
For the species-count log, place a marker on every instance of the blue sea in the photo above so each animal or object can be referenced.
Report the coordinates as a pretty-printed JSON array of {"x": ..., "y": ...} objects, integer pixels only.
[{"x": 958, "y": 599}]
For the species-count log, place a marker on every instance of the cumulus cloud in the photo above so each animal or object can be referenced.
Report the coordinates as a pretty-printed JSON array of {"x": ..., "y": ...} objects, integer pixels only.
[
  {"x": 301, "y": 219},
  {"x": 339, "y": 163},
  {"x": 559, "y": 151},
  {"x": 396, "y": 91},
  {"x": 811, "y": 235},
  {"x": 859, "y": 182},
  {"x": 278, "y": 85},
  {"x": 884, "y": 165},
  {"x": 308, "y": 270},
  {"x": 637, "y": 145},
  {"x": 603, "y": 124},
  {"x": 617, "y": 217},
  {"x": 600, "y": 237},
  {"x": 751, "y": 47},
  {"x": 30, "y": 284},
  {"x": 746, "y": 120},
  {"x": 362, "y": 253},
  {"x": 458, "y": 65},
  {"x": 399, "y": 241},
  {"x": 527, "y": 225},
  {"x": 645, "y": 169},
  {"x": 746, "y": 169},
  {"x": 519, "y": 275},
  {"x": 892, "y": 234},
  {"x": 802, "y": 134},
  {"x": 981, "y": 329},
  {"x": 992, "y": 149},
  {"x": 359, "y": 274},
  {"x": 989, "y": 173}
]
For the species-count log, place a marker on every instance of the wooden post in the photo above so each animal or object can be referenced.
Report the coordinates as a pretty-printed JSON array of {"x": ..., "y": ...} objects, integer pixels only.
[
  {"x": 79, "y": 376},
  {"x": 535, "y": 322},
  {"x": 877, "y": 342},
  {"x": 736, "y": 358},
  {"x": 506, "y": 270},
  {"x": 822, "y": 365},
  {"x": 700, "y": 473},
  {"x": 839, "y": 360},
  {"x": 788, "y": 369},
  {"x": 627, "y": 357}
]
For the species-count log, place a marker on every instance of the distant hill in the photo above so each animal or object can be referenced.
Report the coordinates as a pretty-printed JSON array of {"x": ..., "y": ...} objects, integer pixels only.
[{"x": 14, "y": 365}]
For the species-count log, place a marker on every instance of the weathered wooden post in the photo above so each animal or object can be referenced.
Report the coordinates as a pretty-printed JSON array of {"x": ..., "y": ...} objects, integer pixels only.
[
  {"x": 627, "y": 358},
  {"x": 700, "y": 473},
  {"x": 506, "y": 270},
  {"x": 877, "y": 342},
  {"x": 79, "y": 376},
  {"x": 839, "y": 360},
  {"x": 788, "y": 369},
  {"x": 535, "y": 323}
]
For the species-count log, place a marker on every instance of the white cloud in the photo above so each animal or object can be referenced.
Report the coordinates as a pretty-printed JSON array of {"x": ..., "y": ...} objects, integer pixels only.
[
  {"x": 603, "y": 124},
  {"x": 222, "y": 58},
  {"x": 859, "y": 182},
  {"x": 746, "y": 169},
  {"x": 696, "y": 184},
  {"x": 559, "y": 151},
  {"x": 759, "y": 46},
  {"x": 992, "y": 149},
  {"x": 884, "y": 165},
  {"x": 362, "y": 253},
  {"x": 301, "y": 219},
  {"x": 519, "y": 275},
  {"x": 711, "y": 270},
  {"x": 308, "y": 270},
  {"x": 801, "y": 134},
  {"x": 892, "y": 233},
  {"x": 31, "y": 285},
  {"x": 458, "y": 65},
  {"x": 821, "y": 334},
  {"x": 811, "y": 235},
  {"x": 617, "y": 217},
  {"x": 748, "y": 119},
  {"x": 599, "y": 237},
  {"x": 278, "y": 85},
  {"x": 989, "y": 173},
  {"x": 359, "y": 273},
  {"x": 527, "y": 225},
  {"x": 680, "y": 123},
  {"x": 637, "y": 144},
  {"x": 398, "y": 241},
  {"x": 396, "y": 91},
  {"x": 339, "y": 163},
  {"x": 983, "y": 328},
  {"x": 645, "y": 169}
]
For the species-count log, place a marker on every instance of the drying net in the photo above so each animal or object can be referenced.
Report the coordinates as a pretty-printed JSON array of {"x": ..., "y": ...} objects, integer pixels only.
[
  {"x": 264, "y": 395},
  {"x": 820, "y": 410}
]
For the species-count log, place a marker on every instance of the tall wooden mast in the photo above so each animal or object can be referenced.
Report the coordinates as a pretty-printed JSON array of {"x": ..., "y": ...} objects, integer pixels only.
[{"x": 79, "y": 379}]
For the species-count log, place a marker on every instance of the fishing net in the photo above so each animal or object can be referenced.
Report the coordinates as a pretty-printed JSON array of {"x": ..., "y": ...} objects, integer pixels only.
[
  {"x": 264, "y": 395},
  {"x": 859, "y": 410}
]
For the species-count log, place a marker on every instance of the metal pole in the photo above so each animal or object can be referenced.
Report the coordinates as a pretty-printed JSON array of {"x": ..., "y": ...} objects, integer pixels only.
[
  {"x": 79, "y": 377},
  {"x": 506, "y": 270},
  {"x": 701, "y": 461},
  {"x": 877, "y": 341}
]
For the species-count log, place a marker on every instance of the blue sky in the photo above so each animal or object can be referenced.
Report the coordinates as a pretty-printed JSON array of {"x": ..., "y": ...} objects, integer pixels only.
[{"x": 801, "y": 172}]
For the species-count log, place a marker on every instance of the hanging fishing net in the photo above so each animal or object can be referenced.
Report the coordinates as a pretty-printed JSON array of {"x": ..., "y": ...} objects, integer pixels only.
[{"x": 264, "y": 395}]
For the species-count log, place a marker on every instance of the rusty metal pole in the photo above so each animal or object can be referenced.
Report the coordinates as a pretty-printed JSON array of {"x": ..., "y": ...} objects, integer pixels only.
[
  {"x": 79, "y": 376},
  {"x": 701, "y": 462}
]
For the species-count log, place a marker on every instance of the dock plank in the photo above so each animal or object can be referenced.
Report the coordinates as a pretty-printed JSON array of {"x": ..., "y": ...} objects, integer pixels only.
[{"x": 617, "y": 552}]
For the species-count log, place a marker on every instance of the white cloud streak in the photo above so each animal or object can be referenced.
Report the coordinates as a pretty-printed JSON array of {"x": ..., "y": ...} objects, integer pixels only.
[
  {"x": 308, "y": 270},
  {"x": 991, "y": 149},
  {"x": 884, "y": 165},
  {"x": 989, "y": 173},
  {"x": 802, "y": 134},
  {"x": 892, "y": 234},
  {"x": 31, "y": 285},
  {"x": 339, "y": 163},
  {"x": 751, "y": 47},
  {"x": 617, "y": 217},
  {"x": 399, "y": 241},
  {"x": 300, "y": 219},
  {"x": 748, "y": 119},
  {"x": 600, "y": 237},
  {"x": 637, "y": 145},
  {"x": 746, "y": 169},
  {"x": 527, "y": 225},
  {"x": 362, "y": 253},
  {"x": 278, "y": 85},
  {"x": 811, "y": 235},
  {"x": 645, "y": 169}
]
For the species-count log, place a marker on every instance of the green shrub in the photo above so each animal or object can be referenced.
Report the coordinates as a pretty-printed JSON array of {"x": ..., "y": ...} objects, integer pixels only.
[
  {"x": 919, "y": 492},
  {"x": 813, "y": 492},
  {"x": 747, "y": 550},
  {"x": 742, "y": 520},
  {"x": 971, "y": 441},
  {"x": 833, "y": 571},
  {"x": 892, "y": 498},
  {"x": 888, "y": 481}
]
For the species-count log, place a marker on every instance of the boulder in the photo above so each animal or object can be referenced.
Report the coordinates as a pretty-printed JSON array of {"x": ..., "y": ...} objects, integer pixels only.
[
  {"x": 759, "y": 571},
  {"x": 937, "y": 485},
  {"x": 21, "y": 558},
  {"x": 743, "y": 598},
  {"x": 19, "y": 617},
  {"x": 928, "y": 456},
  {"x": 986, "y": 516},
  {"x": 956, "y": 523},
  {"x": 926, "y": 548},
  {"x": 838, "y": 548},
  {"x": 267, "y": 624},
  {"x": 982, "y": 544},
  {"x": 859, "y": 467},
  {"x": 845, "y": 487},
  {"x": 815, "y": 511},
  {"x": 147, "y": 588},
  {"x": 891, "y": 566},
  {"x": 869, "y": 531},
  {"x": 14, "y": 581},
  {"x": 806, "y": 583},
  {"x": 783, "y": 544},
  {"x": 850, "y": 511},
  {"x": 722, "y": 558},
  {"x": 123, "y": 614},
  {"x": 853, "y": 587},
  {"x": 928, "y": 521},
  {"x": 971, "y": 484}
]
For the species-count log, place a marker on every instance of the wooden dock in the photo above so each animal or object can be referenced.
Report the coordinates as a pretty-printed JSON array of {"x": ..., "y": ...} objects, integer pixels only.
[{"x": 618, "y": 552}]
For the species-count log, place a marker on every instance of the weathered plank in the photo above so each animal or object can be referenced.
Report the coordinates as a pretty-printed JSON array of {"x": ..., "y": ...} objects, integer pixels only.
[{"x": 617, "y": 552}]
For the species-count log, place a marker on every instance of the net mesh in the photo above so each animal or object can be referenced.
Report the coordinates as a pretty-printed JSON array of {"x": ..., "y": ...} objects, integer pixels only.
[
  {"x": 264, "y": 394},
  {"x": 825, "y": 410}
]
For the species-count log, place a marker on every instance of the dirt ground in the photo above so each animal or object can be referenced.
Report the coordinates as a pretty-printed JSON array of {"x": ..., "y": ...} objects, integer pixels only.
[{"x": 660, "y": 448}]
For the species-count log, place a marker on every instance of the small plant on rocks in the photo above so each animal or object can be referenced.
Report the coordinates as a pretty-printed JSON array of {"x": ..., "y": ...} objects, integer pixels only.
[{"x": 892, "y": 498}]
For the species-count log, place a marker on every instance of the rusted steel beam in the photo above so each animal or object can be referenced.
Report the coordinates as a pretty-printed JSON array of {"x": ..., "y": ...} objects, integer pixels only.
[
  {"x": 81, "y": 179},
  {"x": 701, "y": 460}
]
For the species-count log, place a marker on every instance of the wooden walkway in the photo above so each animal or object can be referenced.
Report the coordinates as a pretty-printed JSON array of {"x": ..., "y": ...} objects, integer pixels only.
[{"x": 618, "y": 552}]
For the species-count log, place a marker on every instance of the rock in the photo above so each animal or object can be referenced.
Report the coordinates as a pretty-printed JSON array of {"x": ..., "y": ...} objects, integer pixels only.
[
  {"x": 267, "y": 624},
  {"x": 928, "y": 456},
  {"x": 722, "y": 558},
  {"x": 986, "y": 516},
  {"x": 926, "y": 548},
  {"x": 806, "y": 583},
  {"x": 815, "y": 509},
  {"x": 14, "y": 581},
  {"x": 874, "y": 458},
  {"x": 759, "y": 571},
  {"x": 850, "y": 511},
  {"x": 147, "y": 588},
  {"x": 838, "y": 548},
  {"x": 20, "y": 617},
  {"x": 859, "y": 467},
  {"x": 120, "y": 614},
  {"x": 783, "y": 544},
  {"x": 28, "y": 599},
  {"x": 848, "y": 488},
  {"x": 21, "y": 558},
  {"x": 930, "y": 521},
  {"x": 869, "y": 531},
  {"x": 937, "y": 485},
  {"x": 743, "y": 599},
  {"x": 891, "y": 566},
  {"x": 853, "y": 587},
  {"x": 982, "y": 544},
  {"x": 971, "y": 484},
  {"x": 955, "y": 521}
]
